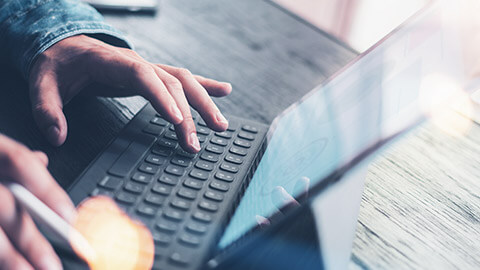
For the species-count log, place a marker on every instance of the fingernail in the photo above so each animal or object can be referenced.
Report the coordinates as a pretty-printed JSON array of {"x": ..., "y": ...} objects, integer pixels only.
[
  {"x": 306, "y": 182},
  {"x": 177, "y": 114},
  {"x": 50, "y": 263},
  {"x": 193, "y": 141},
  {"x": 280, "y": 196},
  {"x": 221, "y": 119},
  {"x": 285, "y": 195},
  {"x": 53, "y": 132}
]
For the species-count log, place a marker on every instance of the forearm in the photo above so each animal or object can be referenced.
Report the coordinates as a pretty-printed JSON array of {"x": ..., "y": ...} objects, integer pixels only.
[{"x": 29, "y": 27}]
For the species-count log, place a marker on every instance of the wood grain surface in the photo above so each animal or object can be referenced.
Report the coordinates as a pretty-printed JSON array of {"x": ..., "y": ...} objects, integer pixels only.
[{"x": 421, "y": 204}]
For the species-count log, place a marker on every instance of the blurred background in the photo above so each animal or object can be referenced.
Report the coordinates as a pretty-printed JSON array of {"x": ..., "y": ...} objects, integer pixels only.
[{"x": 358, "y": 23}]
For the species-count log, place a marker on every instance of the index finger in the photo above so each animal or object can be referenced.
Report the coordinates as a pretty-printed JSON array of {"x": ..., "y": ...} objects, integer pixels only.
[
  {"x": 198, "y": 97},
  {"x": 186, "y": 131},
  {"x": 21, "y": 231},
  {"x": 21, "y": 165}
]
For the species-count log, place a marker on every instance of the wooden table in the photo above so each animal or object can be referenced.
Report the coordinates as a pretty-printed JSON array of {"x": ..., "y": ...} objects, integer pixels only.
[{"x": 421, "y": 205}]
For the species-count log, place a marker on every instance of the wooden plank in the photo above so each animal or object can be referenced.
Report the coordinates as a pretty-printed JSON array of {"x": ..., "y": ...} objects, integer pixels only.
[{"x": 421, "y": 204}]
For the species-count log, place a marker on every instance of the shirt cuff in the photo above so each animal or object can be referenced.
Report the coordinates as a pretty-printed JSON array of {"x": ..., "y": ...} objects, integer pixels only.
[{"x": 34, "y": 29}]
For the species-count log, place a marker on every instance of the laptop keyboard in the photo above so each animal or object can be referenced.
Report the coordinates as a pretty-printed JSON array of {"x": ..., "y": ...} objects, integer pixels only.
[{"x": 177, "y": 194}]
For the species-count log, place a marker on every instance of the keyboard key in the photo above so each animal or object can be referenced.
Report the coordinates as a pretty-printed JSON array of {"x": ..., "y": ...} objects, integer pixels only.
[
  {"x": 158, "y": 254},
  {"x": 201, "y": 138},
  {"x": 175, "y": 170},
  {"x": 134, "y": 188},
  {"x": 129, "y": 158},
  {"x": 224, "y": 134},
  {"x": 219, "y": 186},
  {"x": 157, "y": 149},
  {"x": 224, "y": 176},
  {"x": 173, "y": 215},
  {"x": 209, "y": 206},
  {"x": 197, "y": 228},
  {"x": 203, "y": 217},
  {"x": 202, "y": 175},
  {"x": 232, "y": 126},
  {"x": 153, "y": 130},
  {"x": 180, "y": 258},
  {"x": 148, "y": 168},
  {"x": 242, "y": 143},
  {"x": 219, "y": 141},
  {"x": 209, "y": 157},
  {"x": 246, "y": 136},
  {"x": 154, "y": 199},
  {"x": 161, "y": 238},
  {"x": 170, "y": 135},
  {"x": 101, "y": 192},
  {"x": 146, "y": 210},
  {"x": 166, "y": 226},
  {"x": 161, "y": 189},
  {"x": 168, "y": 179},
  {"x": 234, "y": 159},
  {"x": 238, "y": 151},
  {"x": 203, "y": 130},
  {"x": 180, "y": 204},
  {"x": 229, "y": 167},
  {"x": 126, "y": 198},
  {"x": 212, "y": 195},
  {"x": 172, "y": 128},
  {"x": 188, "y": 239},
  {"x": 187, "y": 193},
  {"x": 159, "y": 121},
  {"x": 214, "y": 149},
  {"x": 155, "y": 160},
  {"x": 250, "y": 128},
  {"x": 167, "y": 143},
  {"x": 204, "y": 165},
  {"x": 193, "y": 184},
  {"x": 184, "y": 153},
  {"x": 142, "y": 178},
  {"x": 110, "y": 182},
  {"x": 181, "y": 161}
]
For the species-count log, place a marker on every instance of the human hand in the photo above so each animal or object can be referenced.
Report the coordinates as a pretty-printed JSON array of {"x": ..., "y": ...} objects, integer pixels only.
[
  {"x": 22, "y": 246},
  {"x": 70, "y": 65},
  {"x": 284, "y": 200}
]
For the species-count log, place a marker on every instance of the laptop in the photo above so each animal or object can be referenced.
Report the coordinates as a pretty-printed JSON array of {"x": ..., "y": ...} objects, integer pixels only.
[{"x": 203, "y": 209}]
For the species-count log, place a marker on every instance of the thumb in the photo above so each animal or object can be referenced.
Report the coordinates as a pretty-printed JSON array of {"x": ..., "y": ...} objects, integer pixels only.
[{"x": 47, "y": 108}]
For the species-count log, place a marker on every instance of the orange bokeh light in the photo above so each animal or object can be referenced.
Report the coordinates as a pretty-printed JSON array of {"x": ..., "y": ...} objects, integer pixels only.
[{"x": 118, "y": 242}]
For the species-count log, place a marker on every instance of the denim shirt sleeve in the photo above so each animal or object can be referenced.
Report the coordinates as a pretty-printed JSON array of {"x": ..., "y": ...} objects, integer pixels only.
[{"x": 29, "y": 27}]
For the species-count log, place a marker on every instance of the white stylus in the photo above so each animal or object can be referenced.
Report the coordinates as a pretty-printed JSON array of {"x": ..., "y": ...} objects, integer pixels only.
[{"x": 46, "y": 218}]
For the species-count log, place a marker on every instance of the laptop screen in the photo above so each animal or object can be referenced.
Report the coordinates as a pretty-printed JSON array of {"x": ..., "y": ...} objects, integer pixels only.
[{"x": 391, "y": 87}]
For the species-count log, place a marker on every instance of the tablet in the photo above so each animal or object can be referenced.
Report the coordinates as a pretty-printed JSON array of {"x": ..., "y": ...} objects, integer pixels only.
[{"x": 413, "y": 74}]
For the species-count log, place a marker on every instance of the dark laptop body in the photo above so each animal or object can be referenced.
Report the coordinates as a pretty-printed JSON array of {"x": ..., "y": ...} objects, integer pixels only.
[{"x": 114, "y": 173}]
